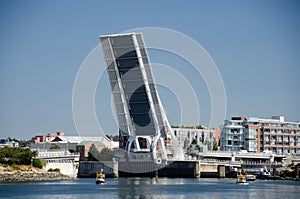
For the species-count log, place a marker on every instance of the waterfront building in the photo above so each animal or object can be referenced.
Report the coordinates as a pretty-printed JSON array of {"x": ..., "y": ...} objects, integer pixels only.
[
  {"x": 63, "y": 160},
  {"x": 261, "y": 135},
  {"x": 69, "y": 142},
  {"x": 45, "y": 138},
  {"x": 203, "y": 136},
  {"x": 7, "y": 143}
]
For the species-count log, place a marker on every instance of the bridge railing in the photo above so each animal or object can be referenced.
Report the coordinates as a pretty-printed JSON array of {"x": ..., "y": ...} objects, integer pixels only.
[
  {"x": 55, "y": 153},
  {"x": 240, "y": 153},
  {"x": 229, "y": 162}
]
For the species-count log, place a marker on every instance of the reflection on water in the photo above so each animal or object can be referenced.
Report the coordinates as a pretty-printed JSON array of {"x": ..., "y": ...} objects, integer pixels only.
[{"x": 152, "y": 188}]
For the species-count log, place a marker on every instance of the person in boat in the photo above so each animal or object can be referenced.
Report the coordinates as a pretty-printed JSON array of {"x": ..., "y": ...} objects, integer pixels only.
[{"x": 100, "y": 177}]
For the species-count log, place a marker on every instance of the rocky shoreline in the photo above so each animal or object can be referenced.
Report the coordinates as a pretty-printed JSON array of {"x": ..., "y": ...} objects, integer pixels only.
[{"x": 32, "y": 176}]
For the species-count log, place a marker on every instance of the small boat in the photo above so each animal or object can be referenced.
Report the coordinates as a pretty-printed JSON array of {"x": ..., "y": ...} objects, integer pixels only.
[
  {"x": 241, "y": 179},
  {"x": 250, "y": 177},
  {"x": 263, "y": 174},
  {"x": 100, "y": 177}
]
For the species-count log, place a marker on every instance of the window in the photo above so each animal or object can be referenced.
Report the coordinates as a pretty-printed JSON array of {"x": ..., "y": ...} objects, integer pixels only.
[
  {"x": 267, "y": 130},
  {"x": 273, "y": 131},
  {"x": 286, "y": 131}
]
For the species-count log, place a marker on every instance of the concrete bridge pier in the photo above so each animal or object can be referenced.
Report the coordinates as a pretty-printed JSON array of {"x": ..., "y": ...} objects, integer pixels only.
[
  {"x": 221, "y": 171},
  {"x": 115, "y": 169},
  {"x": 197, "y": 172}
]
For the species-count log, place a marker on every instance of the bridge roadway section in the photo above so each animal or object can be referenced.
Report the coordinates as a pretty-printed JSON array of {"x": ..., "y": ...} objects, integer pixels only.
[{"x": 213, "y": 164}]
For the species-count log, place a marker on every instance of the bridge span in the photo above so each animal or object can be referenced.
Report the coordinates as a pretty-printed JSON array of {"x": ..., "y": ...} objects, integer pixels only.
[{"x": 142, "y": 121}]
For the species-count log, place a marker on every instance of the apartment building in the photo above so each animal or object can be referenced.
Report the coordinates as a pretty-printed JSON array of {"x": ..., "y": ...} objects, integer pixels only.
[{"x": 258, "y": 135}]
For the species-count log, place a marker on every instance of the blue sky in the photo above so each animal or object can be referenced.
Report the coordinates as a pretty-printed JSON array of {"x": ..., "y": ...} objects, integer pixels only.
[{"x": 255, "y": 45}]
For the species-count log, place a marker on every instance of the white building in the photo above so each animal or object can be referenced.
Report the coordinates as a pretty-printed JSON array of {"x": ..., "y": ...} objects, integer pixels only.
[
  {"x": 63, "y": 160},
  {"x": 70, "y": 142},
  {"x": 7, "y": 143},
  {"x": 202, "y": 136}
]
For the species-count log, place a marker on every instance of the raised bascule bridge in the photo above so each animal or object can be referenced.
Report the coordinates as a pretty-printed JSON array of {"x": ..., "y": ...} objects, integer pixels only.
[
  {"x": 144, "y": 130},
  {"x": 147, "y": 142}
]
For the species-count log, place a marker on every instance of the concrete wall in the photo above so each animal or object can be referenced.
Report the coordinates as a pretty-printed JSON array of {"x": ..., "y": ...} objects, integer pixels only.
[
  {"x": 89, "y": 169},
  {"x": 66, "y": 168},
  {"x": 212, "y": 170},
  {"x": 209, "y": 167},
  {"x": 178, "y": 169}
]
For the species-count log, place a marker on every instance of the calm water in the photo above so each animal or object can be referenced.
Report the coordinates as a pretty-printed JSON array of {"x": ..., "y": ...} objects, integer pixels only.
[{"x": 151, "y": 188}]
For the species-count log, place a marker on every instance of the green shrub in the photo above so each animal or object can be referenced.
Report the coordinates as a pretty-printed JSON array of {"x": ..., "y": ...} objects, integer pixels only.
[
  {"x": 54, "y": 170},
  {"x": 57, "y": 170},
  {"x": 194, "y": 141},
  {"x": 39, "y": 163}
]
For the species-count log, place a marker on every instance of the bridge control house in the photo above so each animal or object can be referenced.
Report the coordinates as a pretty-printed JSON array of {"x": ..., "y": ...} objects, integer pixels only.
[{"x": 261, "y": 135}]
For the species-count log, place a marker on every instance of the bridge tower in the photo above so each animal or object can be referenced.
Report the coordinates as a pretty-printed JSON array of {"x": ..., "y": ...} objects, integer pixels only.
[{"x": 143, "y": 125}]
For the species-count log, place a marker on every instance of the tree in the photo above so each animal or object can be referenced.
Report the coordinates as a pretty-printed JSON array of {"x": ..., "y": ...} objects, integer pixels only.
[
  {"x": 199, "y": 127},
  {"x": 93, "y": 154},
  {"x": 186, "y": 143},
  {"x": 209, "y": 147},
  {"x": 23, "y": 143},
  {"x": 108, "y": 136},
  {"x": 91, "y": 157},
  {"x": 114, "y": 138},
  {"x": 71, "y": 150},
  {"x": 16, "y": 155},
  {"x": 194, "y": 141},
  {"x": 215, "y": 145},
  {"x": 106, "y": 154}
]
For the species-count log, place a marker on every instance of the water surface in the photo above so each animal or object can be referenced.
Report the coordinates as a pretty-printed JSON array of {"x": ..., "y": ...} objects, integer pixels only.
[{"x": 152, "y": 188}]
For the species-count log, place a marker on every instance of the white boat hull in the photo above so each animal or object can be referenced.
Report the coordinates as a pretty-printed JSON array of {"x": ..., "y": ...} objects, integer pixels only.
[{"x": 100, "y": 181}]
